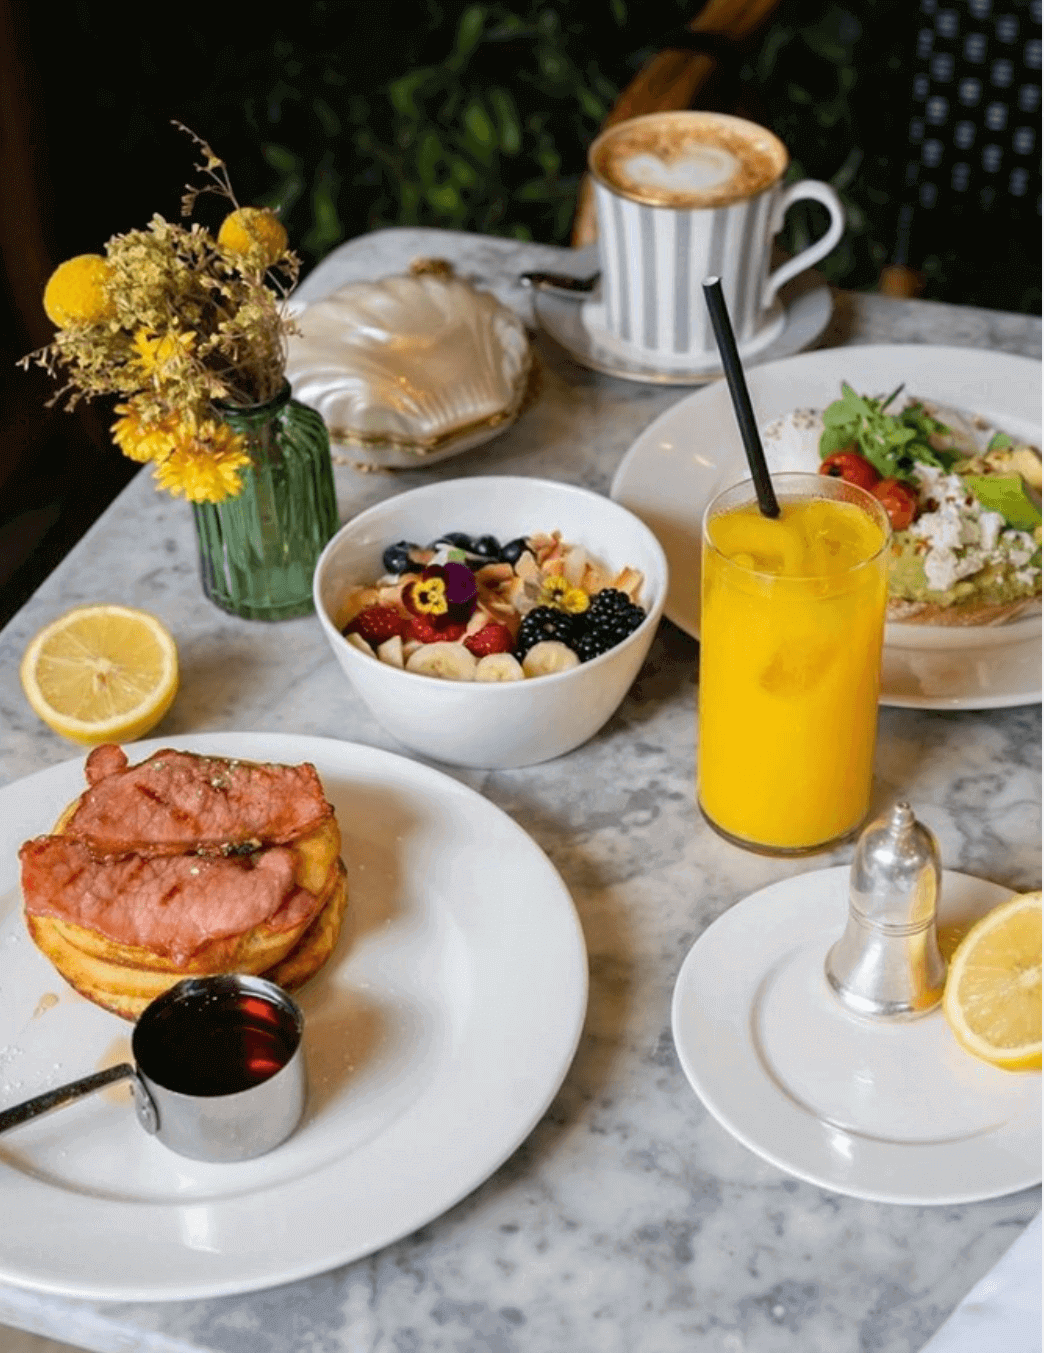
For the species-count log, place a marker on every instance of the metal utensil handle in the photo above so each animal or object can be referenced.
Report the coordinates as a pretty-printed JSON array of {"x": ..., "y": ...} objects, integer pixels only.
[
  {"x": 557, "y": 281},
  {"x": 63, "y": 1094}
]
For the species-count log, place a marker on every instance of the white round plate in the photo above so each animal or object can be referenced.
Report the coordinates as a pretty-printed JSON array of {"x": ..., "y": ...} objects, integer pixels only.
[
  {"x": 693, "y": 450},
  {"x": 890, "y": 1112},
  {"x": 807, "y": 307},
  {"x": 436, "y": 1037}
]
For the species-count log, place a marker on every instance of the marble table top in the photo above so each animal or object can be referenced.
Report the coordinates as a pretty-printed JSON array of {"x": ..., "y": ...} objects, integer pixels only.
[{"x": 629, "y": 1221}]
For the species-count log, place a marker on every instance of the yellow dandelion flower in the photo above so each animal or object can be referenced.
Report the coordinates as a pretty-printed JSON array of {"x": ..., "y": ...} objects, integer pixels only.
[
  {"x": 204, "y": 466},
  {"x": 254, "y": 233},
  {"x": 140, "y": 440},
  {"x": 76, "y": 291},
  {"x": 154, "y": 354}
]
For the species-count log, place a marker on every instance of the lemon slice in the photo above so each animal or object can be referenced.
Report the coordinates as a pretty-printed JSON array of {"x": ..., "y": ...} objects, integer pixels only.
[
  {"x": 992, "y": 1000},
  {"x": 101, "y": 673}
]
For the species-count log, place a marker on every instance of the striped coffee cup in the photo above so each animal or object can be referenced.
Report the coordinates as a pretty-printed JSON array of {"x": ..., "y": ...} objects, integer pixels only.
[{"x": 686, "y": 195}]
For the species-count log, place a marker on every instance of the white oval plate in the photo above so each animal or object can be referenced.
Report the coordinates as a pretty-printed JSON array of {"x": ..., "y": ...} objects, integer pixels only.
[
  {"x": 693, "y": 450},
  {"x": 891, "y": 1112},
  {"x": 436, "y": 1037}
]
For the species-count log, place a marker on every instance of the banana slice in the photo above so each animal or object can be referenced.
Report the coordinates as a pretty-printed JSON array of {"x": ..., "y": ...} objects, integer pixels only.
[
  {"x": 391, "y": 651},
  {"x": 452, "y": 662},
  {"x": 357, "y": 641},
  {"x": 499, "y": 667},
  {"x": 548, "y": 656}
]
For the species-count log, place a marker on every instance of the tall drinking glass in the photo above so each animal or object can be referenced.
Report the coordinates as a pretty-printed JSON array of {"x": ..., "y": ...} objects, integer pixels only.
[{"x": 791, "y": 628}]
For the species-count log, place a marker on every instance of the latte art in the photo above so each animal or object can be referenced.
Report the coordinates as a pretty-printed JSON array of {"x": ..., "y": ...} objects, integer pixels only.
[{"x": 688, "y": 160}]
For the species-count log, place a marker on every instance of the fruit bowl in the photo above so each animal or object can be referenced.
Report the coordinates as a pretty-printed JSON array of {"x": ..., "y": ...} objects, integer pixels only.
[{"x": 497, "y": 724}]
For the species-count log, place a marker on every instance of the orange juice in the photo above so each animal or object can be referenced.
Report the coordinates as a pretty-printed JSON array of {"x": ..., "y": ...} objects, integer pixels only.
[{"x": 791, "y": 627}]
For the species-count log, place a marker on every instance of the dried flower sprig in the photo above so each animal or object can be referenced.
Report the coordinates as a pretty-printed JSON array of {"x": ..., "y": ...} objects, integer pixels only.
[{"x": 175, "y": 322}]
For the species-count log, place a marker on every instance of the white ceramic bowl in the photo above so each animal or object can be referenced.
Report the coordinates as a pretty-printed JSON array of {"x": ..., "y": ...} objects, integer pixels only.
[{"x": 493, "y": 725}]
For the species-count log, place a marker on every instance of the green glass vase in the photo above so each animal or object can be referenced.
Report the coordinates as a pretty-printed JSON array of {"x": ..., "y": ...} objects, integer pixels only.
[{"x": 258, "y": 551}]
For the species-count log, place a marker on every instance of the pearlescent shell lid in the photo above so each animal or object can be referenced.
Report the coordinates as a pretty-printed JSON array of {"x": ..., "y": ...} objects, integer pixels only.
[{"x": 410, "y": 367}]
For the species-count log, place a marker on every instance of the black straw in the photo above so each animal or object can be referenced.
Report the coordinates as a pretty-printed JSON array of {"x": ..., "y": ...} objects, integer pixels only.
[{"x": 730, "y": 362}]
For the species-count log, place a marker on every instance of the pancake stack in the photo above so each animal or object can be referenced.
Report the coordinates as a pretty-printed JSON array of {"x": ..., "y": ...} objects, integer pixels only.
[{"x": 185, "y": 866}]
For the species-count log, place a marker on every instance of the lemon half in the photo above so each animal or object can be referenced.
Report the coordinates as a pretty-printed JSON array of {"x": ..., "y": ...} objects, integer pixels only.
[
  {"x": 993, "y": 992},
  {"x": 101, "y": 673}
]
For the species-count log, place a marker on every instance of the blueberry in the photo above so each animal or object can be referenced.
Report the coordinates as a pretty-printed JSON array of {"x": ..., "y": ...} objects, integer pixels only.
[
  {"x": 513, "y": 551},
  {"x": 396, "y": 558},
  {"x": 487, "y": 547},
  {"x": 458, "y": 539}
]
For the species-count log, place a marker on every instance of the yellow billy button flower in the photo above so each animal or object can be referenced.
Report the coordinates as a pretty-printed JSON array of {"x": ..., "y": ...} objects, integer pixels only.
[
  {"x": 76, "y": 292},
  {"x": 205, "y": 464},
  {"x": 254, "y": 232}
]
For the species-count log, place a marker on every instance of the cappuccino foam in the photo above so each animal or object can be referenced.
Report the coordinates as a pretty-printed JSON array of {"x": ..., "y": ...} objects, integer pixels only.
[{"x": 687, "y": 159}]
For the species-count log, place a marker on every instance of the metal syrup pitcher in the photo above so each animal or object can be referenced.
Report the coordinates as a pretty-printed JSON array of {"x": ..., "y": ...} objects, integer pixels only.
[{"x": 887, "y": 963}]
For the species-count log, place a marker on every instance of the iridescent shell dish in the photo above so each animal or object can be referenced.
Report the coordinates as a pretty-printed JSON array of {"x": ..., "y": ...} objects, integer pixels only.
[{"x": 410, "y": 369}]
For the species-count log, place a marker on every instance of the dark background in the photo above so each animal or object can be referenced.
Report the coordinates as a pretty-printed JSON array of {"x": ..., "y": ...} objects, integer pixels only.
[{"x": 350, "y": 117}]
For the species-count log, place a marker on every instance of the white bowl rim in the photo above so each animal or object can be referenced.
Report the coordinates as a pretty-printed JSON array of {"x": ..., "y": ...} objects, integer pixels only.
[{"x": 652, "y": 615}]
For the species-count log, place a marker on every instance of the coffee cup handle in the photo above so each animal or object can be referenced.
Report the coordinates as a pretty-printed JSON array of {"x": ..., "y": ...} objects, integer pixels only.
[{"x": 820, "y": 192}]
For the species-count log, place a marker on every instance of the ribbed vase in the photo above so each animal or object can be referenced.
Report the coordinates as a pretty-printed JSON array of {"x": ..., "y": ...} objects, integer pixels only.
[{"x": 258, "y": 551}]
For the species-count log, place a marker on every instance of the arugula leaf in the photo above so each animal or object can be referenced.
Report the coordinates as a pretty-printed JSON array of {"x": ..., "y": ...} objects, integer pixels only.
[
  {"x": 1000, "y": 441},
  {"x": 1007, "y": 495},
  {"x": 892, "y": 443}
]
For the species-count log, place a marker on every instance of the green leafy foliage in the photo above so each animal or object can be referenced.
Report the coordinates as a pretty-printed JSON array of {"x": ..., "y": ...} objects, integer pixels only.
[
  {"x": 477, "y": 116},
  {"x": 892, "y": 443}
]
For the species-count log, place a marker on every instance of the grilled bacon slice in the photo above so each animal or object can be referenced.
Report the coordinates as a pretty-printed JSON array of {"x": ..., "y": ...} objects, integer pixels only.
[
  {"x": 178, "y": 802},
  {"x": 171, "y": 905}
]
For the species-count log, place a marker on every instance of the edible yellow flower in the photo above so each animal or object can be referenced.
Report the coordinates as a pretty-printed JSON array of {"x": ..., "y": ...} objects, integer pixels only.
[
  {"x": 254, "y": 233},
  {"x": 76, "y": 291},
  {"x": 558, "y": 591},
  {"x": 426, "y": 596},
  {"x": 204, "y": 465}
]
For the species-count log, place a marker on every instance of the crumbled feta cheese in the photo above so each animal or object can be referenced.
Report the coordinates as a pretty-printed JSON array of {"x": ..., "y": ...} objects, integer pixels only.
[
  {"x": 961, "y": 535},
  {"x": 990, "y": 525}
]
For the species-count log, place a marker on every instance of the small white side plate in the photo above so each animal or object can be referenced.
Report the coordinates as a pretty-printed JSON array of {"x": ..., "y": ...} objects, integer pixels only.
[{"x": 892, "y": 1112}]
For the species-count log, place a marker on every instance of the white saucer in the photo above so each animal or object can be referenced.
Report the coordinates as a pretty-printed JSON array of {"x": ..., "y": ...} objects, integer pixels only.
[
  {"x": 807, "y": 307},
  {"x": 889, "y": 1112}
]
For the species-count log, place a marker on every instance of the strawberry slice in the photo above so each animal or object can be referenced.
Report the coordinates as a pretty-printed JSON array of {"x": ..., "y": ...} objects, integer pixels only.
[
  {"x": 376, "y": 624},
  {"x": 424, "y": 632},
  {"x": 491, "y": 638}
]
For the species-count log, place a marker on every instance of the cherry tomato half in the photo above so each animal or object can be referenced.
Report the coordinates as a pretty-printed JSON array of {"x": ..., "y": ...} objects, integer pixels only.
[
  {"x": 899, "y": 500},
  {"x": 852, "y": 467}
]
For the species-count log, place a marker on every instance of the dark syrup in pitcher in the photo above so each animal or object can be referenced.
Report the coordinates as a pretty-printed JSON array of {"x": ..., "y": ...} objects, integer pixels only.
[{"x": 217, "y": 1044}]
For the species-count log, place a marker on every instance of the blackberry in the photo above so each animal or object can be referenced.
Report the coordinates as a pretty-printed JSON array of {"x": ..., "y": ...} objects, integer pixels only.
[
  {"x": 544, "y": 622},
  {"x": 609, "y": 619}
]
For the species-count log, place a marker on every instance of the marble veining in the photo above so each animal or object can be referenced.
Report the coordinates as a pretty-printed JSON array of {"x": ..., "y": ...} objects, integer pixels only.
[{"x": 629, "y": 1221}]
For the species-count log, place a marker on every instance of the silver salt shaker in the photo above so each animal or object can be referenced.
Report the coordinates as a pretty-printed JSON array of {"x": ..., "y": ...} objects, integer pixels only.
[{"x": 887, "y": 963}]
